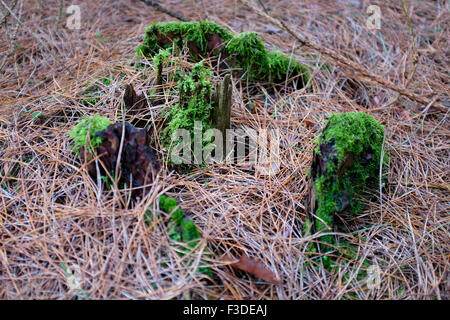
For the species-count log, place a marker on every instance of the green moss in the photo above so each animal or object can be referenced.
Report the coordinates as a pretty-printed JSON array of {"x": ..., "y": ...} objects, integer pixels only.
[
  {"x": 194, "y": 91},
  {"x": 283, "y": 67},
  {"x": 353, "y": 143},
  {"x": 247, "y": 49},
  {"x": 91, "y": 126},
  {"x": 181, "y": 33},
  {"x": 182, "y": 228},
  {"x": 160, "y": 57},
  {"x": 272, "y": 66}
]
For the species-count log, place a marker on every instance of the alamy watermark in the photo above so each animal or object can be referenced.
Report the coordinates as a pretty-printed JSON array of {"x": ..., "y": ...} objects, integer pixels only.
[
  {"x": 245, "y": 146},
  {"x": 73, "y": 21},
  {"x": 373, "y": 278},
  {"x": 373, "y": 22}
]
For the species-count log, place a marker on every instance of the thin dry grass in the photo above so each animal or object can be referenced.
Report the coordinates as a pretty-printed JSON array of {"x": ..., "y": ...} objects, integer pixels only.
[{"x": 63, "y": 237}]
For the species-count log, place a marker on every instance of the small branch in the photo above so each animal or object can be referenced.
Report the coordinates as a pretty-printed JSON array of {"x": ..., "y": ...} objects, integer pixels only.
[
  {"x": 60, "y": 13},
  {"x": 165, "y": 10}
]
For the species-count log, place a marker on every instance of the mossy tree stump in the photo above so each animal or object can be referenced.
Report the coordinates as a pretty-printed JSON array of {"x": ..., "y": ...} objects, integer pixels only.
[
  {"x": 346, "y": 162},
  {"x": 245, "y": 53}
]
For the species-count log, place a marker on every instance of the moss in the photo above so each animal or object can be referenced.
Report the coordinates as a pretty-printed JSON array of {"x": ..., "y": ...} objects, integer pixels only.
[
  {"x": 246, "y": 50},
  {"x": 90, "y": 125},
  {"x": 283, "y": 67},
  {"x": 272, "y": 66},
  {"x": 249, "y": 50},
  {"x": 182, "y": 228},
  {"x": 194, "y": 104},
  {"x": 348, "y": 156},
  {"x": 160, "y": 57},
  {"x": 180, "y": 33}
]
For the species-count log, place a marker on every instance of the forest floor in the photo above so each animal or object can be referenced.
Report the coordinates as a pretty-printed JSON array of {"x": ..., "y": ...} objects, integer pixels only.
[{"x": 61, "y": 237}]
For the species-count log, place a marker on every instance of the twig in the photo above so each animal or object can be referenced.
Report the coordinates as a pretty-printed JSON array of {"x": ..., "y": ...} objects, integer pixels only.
[
  {"x": 262, "y": 6},
  {"x": 343, "y": 61},
  {"x": 60, "y": 12},
  {"x": 159, "y": 7}
]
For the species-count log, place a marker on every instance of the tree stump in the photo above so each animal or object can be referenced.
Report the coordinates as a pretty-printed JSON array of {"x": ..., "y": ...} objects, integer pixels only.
[{"x": 346, "y": 162}]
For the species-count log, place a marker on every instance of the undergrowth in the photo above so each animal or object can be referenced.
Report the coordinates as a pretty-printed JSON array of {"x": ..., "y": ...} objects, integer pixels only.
[{"x": 182, "y": 229}]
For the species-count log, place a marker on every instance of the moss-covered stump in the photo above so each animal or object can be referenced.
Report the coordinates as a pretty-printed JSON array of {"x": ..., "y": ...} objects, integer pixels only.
[
  {"x": 84, "y": 134},
  {"x": 201, "y": 106},
  {"x": 345, "y": 164},
  {"x": 194, "y": 107},
  {"x": 200, "y": 37},
  {"x": 245, "y": 53},
  {"x": 98, "y": 135}
]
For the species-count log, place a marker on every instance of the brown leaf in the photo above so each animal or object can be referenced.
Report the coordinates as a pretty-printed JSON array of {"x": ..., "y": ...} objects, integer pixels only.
[{"x": 255, "y": 267}]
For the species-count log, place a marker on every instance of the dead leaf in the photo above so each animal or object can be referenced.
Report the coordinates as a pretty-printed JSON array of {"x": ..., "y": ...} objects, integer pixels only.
[{"x": 255, "y": 267}]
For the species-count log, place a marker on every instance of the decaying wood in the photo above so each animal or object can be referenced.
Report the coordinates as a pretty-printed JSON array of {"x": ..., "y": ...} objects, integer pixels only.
[
  {"x": 133, "y": 102},
  {"x": 136, "y": 160},
  {"x": 221, "y": 113}
]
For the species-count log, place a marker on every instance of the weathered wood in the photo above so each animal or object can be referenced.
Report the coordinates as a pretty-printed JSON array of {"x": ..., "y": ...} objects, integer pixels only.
[
  {"x": 129, "y": 97},
  {"x": 221, "y": 113},
  {"x": 133, "y": 102}
]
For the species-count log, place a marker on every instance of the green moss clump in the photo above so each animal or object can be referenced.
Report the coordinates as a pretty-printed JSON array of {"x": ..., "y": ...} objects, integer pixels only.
[
  {"x": 246, "y": 50},
  {"x": 347, "y": 161},
  {"x": 282, "y": 67},
  {"x": 194, "y": 104},
  {"x": 272, "y": 66},
  {"x": 91, "y": 126},
  {"x": 180, "y": 33},
  {"x": 160, "y": 57},
  {"x": 182, "y": 228},
  {"x": 249, "y": 50}
]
